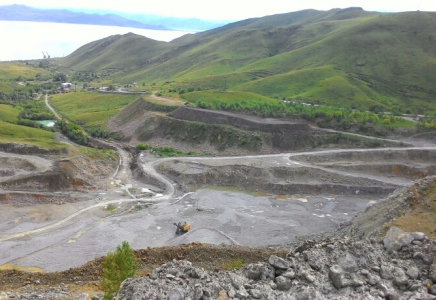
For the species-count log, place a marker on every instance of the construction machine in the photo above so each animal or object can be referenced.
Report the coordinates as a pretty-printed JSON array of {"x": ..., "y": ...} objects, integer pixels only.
[{"x": 182, "y": 227}]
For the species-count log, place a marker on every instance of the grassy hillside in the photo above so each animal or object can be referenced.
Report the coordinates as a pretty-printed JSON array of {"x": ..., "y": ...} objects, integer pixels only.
[
  {"x": 88, "y": 108},
  {"x": 221, "y": 54},
  {"x": 346, "y": 57},
  {"x": 320, "y": 85},
  {"x": 11, "y": 71},
  {"x": 12, "y": 133},
  {"x": 115, "y": 52},
  {"x": 392, "y": 55}
]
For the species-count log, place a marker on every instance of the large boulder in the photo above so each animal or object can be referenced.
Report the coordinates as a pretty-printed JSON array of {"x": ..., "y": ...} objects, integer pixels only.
[
  {"x": 283, "y": 283},
  {"x": 396, "y": 239},
  {"x": 278, "y": 262},
  {"x": 336, "y": 275},
  {"x": 260, "y": 271},
  {"x": 236, "y": 281},
  {"x": 348, "y": 263}
]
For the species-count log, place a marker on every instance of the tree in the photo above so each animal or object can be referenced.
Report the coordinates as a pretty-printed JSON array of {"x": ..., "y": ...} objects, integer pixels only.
[
  {"x": 60, "y": 77},
  {"x": 117, "y": 267}
]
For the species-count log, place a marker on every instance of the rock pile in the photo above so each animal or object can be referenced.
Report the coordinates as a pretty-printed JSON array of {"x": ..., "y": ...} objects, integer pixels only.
[{"x": 403, "y": 266}]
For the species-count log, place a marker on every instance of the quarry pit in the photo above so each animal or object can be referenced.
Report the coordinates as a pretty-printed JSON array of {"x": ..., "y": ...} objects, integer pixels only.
[{"x": 256, "y": 201}]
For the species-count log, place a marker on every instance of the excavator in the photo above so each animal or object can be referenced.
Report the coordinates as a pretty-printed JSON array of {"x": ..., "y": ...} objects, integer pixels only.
[{"x": 182, "y": 228}]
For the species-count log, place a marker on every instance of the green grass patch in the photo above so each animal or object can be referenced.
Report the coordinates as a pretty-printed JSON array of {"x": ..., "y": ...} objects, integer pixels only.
[
  {"x": 13, "y": 70},
  {"x": 9, "y": 113},
  {"x": 234, "y": 264},
  {"x": 99, "y": 154},
  {"x": 90, "y": 109},
  {"x": 395, "y": 122},
  {"x": 110, "y": 207},
  {"x": 139, "y": 207},
  {"x": 12, "y": 133}
]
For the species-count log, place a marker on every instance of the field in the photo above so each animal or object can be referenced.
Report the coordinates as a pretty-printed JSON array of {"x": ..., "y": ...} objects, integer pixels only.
[
  {"x": 12, "y": 133},
  {"x": 88, "y": 108}
]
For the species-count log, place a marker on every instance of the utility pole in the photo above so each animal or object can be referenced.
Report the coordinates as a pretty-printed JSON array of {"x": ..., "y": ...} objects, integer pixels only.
[{"x": 225, "y": 83}]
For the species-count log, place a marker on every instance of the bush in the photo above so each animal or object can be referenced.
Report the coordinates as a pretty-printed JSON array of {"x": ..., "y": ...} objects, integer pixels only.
[
  {"x": 117, "y": 267},
  {"x": 142, "y": 146}
]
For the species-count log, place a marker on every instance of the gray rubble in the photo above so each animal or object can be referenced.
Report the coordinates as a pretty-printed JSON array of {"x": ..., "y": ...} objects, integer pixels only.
[{"x": 333, "y": 268}]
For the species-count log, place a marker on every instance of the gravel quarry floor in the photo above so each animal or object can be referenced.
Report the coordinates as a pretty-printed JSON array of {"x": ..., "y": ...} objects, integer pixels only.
[{"x": 60, "y": 235}]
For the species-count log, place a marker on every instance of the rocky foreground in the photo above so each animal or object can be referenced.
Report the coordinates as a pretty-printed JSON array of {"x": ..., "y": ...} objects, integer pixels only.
[{"x": 403, "y": 266}]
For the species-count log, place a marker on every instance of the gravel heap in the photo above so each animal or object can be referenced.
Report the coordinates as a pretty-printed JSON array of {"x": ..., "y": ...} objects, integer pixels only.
[{"x": 402, "y": 266}]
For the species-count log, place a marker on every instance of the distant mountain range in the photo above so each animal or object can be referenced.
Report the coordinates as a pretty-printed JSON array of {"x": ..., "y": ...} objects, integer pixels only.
[{"x": 17, "y": 12}]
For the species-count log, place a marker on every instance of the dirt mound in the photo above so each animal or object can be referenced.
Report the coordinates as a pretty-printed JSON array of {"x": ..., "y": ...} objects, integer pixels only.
[
  {"x": 23, "y": 199},
  {"x": 410, "y": 209},
  {"x": 88, "y": 168},
  {"x": 80, "y": 172},
  {"x": 17, "y": 163},
  {"x": 55, "y": 180}
]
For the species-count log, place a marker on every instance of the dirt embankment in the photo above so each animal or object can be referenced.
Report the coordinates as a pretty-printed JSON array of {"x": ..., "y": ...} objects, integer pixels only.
[
  {"x": 409, "y": 164},
  {"x": 410, "y": 209},
  {"x": 277, "y": 180},
  {"x": 243, "y": 122},
  {"x": 222, "y": 133},
  {"x": 77, "y": 173},
  {"x": 28, "y": 198},
  {"x": 28, "y": 149}
]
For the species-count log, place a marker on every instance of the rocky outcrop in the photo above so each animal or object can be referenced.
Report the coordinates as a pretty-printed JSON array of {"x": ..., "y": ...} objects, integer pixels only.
[{"x": 333, "y": 268}]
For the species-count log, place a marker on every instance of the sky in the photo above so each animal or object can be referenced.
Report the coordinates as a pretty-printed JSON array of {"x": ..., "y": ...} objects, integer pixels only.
[{"x": 226, "y": 9}]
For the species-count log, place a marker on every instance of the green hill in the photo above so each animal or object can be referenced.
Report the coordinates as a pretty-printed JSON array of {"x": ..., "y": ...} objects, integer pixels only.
[
  {"x": 115, "y": 52},
  {"x": 347, "y": 57}
]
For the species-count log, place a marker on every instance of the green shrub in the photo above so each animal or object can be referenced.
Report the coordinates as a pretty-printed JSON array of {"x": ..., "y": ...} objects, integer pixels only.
[
  {"x": 142, "y": 146},
  {"x": 117, "y": 267}
]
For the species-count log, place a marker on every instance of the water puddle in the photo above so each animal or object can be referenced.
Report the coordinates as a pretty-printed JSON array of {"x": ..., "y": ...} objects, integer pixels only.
[{"x": 46, "y": 123}]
